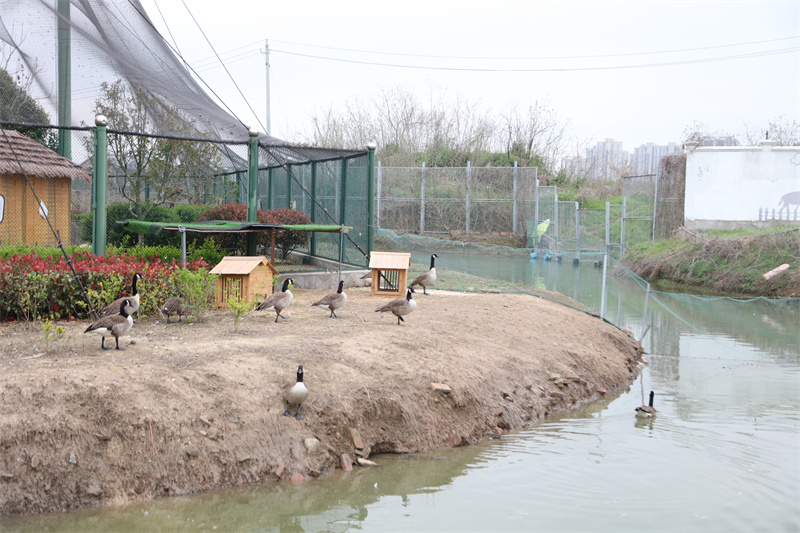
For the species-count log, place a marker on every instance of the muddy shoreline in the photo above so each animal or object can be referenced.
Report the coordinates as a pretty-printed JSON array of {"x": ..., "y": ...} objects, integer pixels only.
[{"x": 196, "y": 407}]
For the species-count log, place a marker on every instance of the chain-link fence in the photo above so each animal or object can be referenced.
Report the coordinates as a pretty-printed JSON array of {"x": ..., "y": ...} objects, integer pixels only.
[
  {"x": 456, "y": 200},
  {"x": 168, "y": 179}
]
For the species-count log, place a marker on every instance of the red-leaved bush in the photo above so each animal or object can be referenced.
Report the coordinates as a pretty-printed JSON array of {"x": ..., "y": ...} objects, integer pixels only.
[
  {"x": 284, "y": 240},
  {"x": 33, "y": 287}
]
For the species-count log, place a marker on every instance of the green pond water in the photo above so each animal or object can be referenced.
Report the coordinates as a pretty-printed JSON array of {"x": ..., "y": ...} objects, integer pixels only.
[{"x": 723, "y": 453}]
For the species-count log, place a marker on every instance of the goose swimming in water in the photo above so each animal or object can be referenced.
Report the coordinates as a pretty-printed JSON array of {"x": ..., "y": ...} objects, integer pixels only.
[{"x": 647, "y": 411}]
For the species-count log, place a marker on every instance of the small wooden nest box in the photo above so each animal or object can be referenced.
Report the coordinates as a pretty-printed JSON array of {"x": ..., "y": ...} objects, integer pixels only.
[
  {"x": 389, "y": 273},
  {"x": 250, "y": 277}
]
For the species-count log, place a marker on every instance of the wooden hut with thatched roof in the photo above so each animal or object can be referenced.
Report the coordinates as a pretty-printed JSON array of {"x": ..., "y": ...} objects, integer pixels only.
[{"x": 21, "y": 217}]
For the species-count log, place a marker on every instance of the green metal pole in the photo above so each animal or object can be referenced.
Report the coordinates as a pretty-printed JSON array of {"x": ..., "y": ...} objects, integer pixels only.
[
  {"x": 288, "y": 189},
  {"x": 371, "y": 197},
  {"x": 313, "y": 250},
  {"x": 343, "y": 205},
  {"x": 64, "y": 80},
  {"x": 99, "y": 186},
  {"x": 252, "y": 189},
  {"x": 270, "y": 192}
]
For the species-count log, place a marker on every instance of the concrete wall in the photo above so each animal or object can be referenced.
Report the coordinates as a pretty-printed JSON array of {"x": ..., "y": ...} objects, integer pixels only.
[{"x": 730, "y": 187}]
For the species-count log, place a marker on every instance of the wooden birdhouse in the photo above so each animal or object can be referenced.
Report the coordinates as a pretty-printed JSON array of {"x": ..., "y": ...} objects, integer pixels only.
[
  {"x": 389, "y": 273},
  {"x": 250, "y": 277}
]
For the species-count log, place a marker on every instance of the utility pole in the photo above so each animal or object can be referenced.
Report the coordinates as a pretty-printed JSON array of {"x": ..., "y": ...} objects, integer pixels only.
[{"x": 266, "y": 53}]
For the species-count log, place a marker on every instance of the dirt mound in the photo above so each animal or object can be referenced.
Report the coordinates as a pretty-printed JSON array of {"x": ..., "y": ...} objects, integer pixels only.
[{"x": 196, "y": 406}]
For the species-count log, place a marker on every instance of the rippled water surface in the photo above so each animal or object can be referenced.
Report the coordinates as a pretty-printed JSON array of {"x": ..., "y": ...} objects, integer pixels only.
[{"x": 723, "y": 453}]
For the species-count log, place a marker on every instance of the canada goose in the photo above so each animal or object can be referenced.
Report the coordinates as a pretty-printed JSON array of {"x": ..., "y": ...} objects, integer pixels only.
[
  {"x": 113, "y": 307},
  {"x": 333, "y": 301},
  {"x": 278, "y": 301},
  {"x": 174, "y": 305},
  {"x": 647, "y": 410},
  {"x": 295, "y": 393},
  {"x": 114, "y": 325},
  {"x": 400, "y": 306},
  {"x": 427, "y": 278}
]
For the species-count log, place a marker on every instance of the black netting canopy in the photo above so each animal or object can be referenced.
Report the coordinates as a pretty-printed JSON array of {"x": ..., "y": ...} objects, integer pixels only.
[{"x": 110, "y": 42}]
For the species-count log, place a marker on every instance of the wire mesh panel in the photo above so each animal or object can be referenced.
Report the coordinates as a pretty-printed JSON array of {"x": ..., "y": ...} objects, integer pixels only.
[
  {"x": 547, "y": 211},
  {"x": 567, "y": 236},
  {"x": 456, "y": 200},
  {"x": 592, "y": 230},
  {"x": 445, "y": 200},
  {"x": 400, "y": 198},
  {"x": 638, "y": 200}
]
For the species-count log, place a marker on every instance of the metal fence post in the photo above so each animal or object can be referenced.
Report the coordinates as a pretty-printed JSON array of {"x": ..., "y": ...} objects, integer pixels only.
[
  {"x": 622, "y": 224},
  {"x": 469, "y": 191},
  {"x": 422, "y": 201},
  {"x": 555, "y": 196},
  {"x": 313, "y": 249},
  {"x": 270, "y": 192},
  {"x": 514, "y": 206},
  {"x": 343, "y": 194},
  {"x": 603, "y": 288},
  {"x": 536, "y": 207},
  {"x": 99, "y": 187},
  {"x": 608, "y": 223},
  {"x": 252, "y": 190},
  {"x": 655, "y": 202},
  {"x": 380, "y": 183},
  {"x": 371, "y": 146},
  {"x": 577, "y": 229}
]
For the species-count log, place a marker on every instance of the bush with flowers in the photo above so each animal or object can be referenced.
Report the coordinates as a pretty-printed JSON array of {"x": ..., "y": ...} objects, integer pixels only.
[{"x": 33, "y": 286}]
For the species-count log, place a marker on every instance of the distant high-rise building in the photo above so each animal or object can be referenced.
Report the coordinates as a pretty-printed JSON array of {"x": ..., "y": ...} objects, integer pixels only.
[
  {"x": 606, "y": 159},
  {"x": 647, "y": 157}
]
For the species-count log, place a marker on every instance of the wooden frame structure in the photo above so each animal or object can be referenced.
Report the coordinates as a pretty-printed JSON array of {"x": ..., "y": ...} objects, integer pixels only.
[{"x": 389, "y": 273}]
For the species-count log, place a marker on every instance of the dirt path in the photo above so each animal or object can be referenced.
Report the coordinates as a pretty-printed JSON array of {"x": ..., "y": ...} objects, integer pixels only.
[{"x": 195, "y": 406}]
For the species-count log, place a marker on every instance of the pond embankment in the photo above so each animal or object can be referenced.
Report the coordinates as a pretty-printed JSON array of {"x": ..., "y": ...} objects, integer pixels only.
[
  {"x": 191, "y": 407},
  {"x": 722, "y": 265}
]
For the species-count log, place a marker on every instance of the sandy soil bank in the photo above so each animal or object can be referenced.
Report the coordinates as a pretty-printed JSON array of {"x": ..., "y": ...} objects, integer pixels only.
[{"x": 191, "y": 407}]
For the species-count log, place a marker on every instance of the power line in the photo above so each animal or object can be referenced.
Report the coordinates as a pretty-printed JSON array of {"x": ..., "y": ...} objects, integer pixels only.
[
  {"x": 223, "y": 65},
  {"x": 496, "y": 58},
  {"x": 551, "y": 69},
  {"x": 248, "y": 52}
]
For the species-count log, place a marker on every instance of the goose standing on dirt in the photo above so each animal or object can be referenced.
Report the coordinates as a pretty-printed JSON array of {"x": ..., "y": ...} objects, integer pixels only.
[
  {"x": 427, "y": 278},
  {"x": 113, "y": 307},
  {"x": 333, "y": 301},
  {"x": 278, "y": 301},
  {"x": 647, "y": 411},
  {"x": 114, "y": 325},
  {"x": 173, "y": 306},
  {"x": 400, "y": 306},
  {"x": 295, "y": 394}
]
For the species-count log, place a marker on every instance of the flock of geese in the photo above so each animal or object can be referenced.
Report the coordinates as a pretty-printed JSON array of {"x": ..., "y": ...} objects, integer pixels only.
[{"x": 116, "y": 320}]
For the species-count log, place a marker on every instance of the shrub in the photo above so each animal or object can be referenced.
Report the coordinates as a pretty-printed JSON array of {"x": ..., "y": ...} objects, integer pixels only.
[{"x": 33, "y": 287}]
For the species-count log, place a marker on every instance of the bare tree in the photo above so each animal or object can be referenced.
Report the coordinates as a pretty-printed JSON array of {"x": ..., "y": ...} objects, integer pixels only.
[{"x": 781, "y": 129}]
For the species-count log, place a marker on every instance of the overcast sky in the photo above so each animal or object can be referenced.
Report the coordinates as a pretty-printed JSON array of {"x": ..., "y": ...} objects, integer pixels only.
[{"x": 562, "y": 53}]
